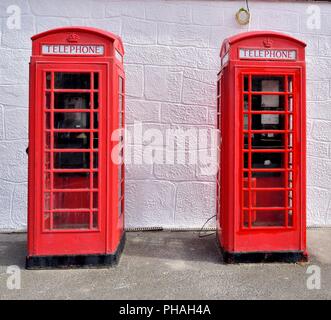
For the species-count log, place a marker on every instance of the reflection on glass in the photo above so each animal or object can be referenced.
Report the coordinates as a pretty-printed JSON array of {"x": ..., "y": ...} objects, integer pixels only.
[{"x": 68, "y": 80}]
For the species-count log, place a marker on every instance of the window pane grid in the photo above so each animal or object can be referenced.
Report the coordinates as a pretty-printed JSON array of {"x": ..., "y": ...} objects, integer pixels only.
[
  {"x": 250, "y": 185},
  {"x": 65, "y": 220}
]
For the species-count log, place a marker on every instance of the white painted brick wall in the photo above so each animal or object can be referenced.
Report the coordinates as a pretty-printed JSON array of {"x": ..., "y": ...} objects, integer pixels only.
[{"x": 172, "y": 58}]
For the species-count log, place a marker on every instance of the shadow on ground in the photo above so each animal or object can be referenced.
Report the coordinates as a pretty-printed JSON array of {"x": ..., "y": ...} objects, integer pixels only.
[
  {"x": 13, "y": 250},
  {"x": 173, "y": 245}
]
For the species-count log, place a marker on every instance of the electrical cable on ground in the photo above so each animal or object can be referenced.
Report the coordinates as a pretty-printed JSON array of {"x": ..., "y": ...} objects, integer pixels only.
[{"x": 208, "y": 234}]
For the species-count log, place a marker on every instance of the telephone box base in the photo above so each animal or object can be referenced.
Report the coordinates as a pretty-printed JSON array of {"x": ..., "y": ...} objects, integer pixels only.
[
  {"x": 76, "y": 261},
  {"x": 264, "y": 257}
]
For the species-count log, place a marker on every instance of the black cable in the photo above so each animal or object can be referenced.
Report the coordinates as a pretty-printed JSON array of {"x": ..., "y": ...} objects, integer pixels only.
[
  {"x": 209, "y": 234},
  {"x": 247, "y": 5}
]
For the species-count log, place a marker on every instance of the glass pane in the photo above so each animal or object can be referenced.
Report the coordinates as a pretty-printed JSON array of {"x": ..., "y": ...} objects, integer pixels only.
[
  {"x": 120, "y": 119},
  {"x": 120, "y": 207},
  {"x": 95, "y": 180},
  {"x": 95, "y": 140},
  {"x": 245, "y": 124},
  {"x": 47, "y": 201},
  {"x": 47, "y": 160},
  {"x": 47, "y": 180},
  {"x": 246, "y": 160},
  {"x": 95, "y": 220},
  {"x": 96, "y": 80},
  {"x": 47, "y": 120},
  {"x": 268, "y": 180},
  {"x": 267, "y": 83},
  {"x": 245, "y": 214},
  {"x": 120, "y": 104},
  {"x": 71, "y": 120},
  {"x": 265, "y": 198},
  {"x": 72, "y": 100},
  {"x": 290, "y": 103},
  {"x": 268, "y": 122},
  {"x": 268, "y": 218},
  {"x": 290, "y": 84},
  {"x": 268, "y": 141},
  {"x": 120, "y": 85},
  {"x": 47, "y": 140},
  {"x": 290, "y": 218},
  {"x": 71, "y": 180},
  {"x": 67, "y": 80},
  {"x": 245, "y": 102},
  {"x": 71, "y": 160},
  {"x": 96, "y": 120},
  {"x": 290, "y": 160},
  {"x": 96, "y": 100},
  {"x": 47, "y": 220},
  {"x": 95, "y": 200},
  {"x": 245, "y": 83},
  {"x": 95, "y": 160},
  {"x": 71, "y": 200},
  {"x": 71, "y": 140},
  {"x": 268, "y": 160},
  {"x": 48, "y": 100},
  {"x": 71, "y": 220},
  {"x": 268, "y": 102},
  {"x": 48, "y": 80}
]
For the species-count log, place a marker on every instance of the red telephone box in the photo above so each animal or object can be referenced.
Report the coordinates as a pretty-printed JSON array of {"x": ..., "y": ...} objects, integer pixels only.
[
  {"x": 261, "y": 193},
  {"x": 76, "y": 189}
]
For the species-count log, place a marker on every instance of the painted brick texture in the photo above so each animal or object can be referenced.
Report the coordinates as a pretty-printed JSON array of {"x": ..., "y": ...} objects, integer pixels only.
[{"x": 171, "y": 61}]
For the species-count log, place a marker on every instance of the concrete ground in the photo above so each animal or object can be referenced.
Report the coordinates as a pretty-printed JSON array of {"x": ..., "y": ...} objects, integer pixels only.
[{"x": 170, "y": 265}]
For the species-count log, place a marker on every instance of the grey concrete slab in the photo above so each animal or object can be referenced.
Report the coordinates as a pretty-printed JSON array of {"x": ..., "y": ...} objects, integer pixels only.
[{"x": 170, "y": 265}]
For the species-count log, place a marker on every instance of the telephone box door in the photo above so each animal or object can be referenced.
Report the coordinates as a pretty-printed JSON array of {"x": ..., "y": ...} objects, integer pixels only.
[
  {"x": 71, "y": 125},
  {"x": 269, "y": 151}
]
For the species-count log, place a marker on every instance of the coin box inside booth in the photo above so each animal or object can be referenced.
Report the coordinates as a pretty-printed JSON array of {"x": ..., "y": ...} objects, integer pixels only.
[{"x": 75, "y": 187}]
